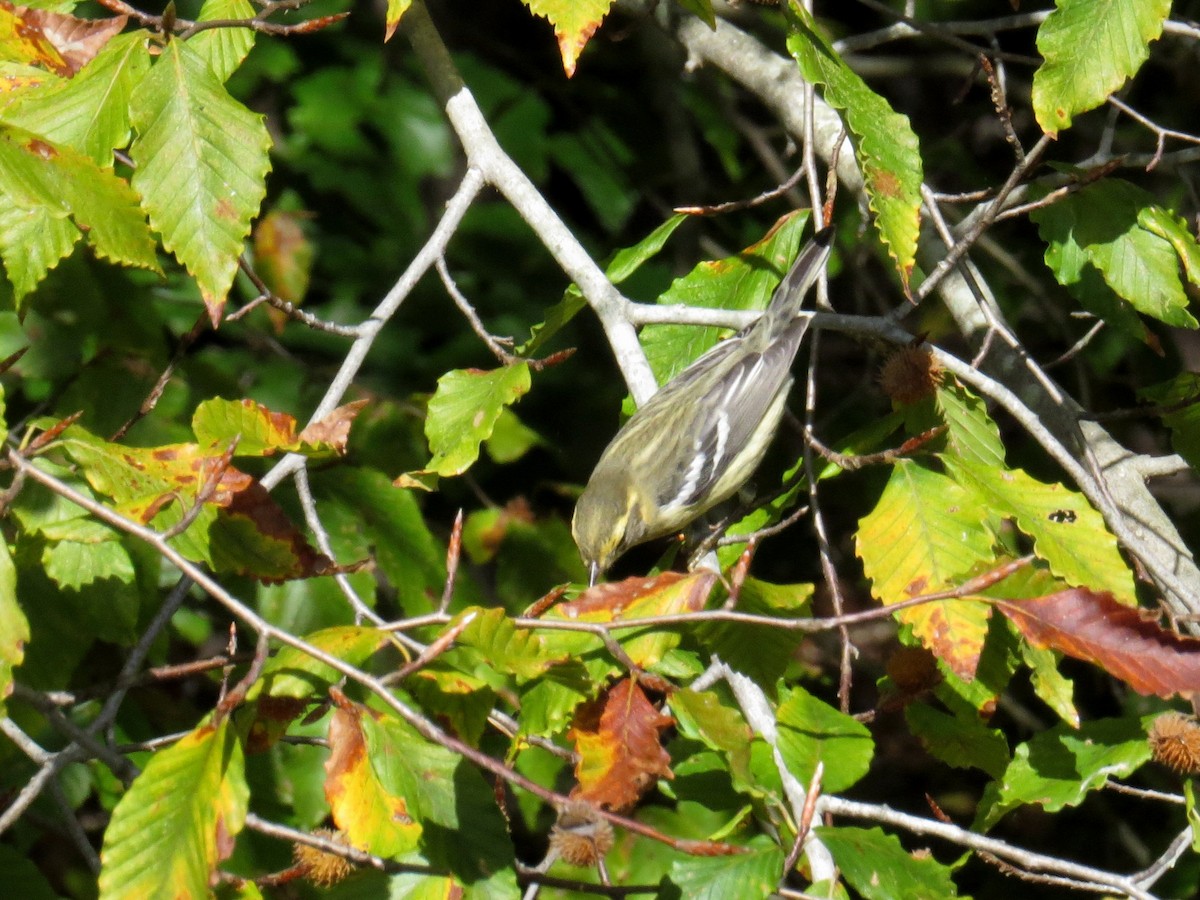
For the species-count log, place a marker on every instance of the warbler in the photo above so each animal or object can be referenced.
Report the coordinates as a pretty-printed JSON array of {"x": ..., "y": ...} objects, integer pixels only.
[{"x": 701, "y": 436}]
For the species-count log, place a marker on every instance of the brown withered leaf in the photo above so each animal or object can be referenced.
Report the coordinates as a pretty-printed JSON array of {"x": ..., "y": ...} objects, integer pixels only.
[
  {"x": 620, "y": 748},
  {"x": 272, "y": 716},
  {"x": 334, "y": 429},
  {"x": 56, "y": 41},
  {"x": 76, "y": 40},
  {"x": 1093, "y": 626}
]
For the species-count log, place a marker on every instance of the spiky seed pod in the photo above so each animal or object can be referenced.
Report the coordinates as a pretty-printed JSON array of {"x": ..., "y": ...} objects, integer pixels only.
[
  {"x": 1175, "y": 742},
  {"x": 910, "y": 374},
  {"x": 580, "y": 836},
  {"x": 321, "y": 868}
]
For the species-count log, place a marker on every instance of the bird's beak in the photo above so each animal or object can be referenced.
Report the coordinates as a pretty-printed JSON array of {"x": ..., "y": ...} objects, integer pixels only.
[{"x": 593, "y": 573}]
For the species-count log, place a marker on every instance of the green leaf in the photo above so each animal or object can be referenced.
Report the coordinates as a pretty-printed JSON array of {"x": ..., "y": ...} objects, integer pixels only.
[
  {"x": 1182, "y": 392},
  {"x": 1193, "y": 816},
  {"x": 511, "y": 438},
  {"x": 14, "y": 627},
  {"x": 1091, "y": 47},
  {"x": 367, "y": 517},
  {"x": 89, "y": 112},
  {"x": 743, "y": 282},
  {"x": 701, "y": 9},
  {"x": 1174, "y": 230},
  {"x": 760, "y": 652},
  {"x": 597, "y": 160},
  {"x": 972, "y": 433},
  {"x": 32, "y": 241},
  {"x": 22, "y": 877},
  {"x": 884, "y": 142},
  {"x": 224, "y": 49},
  {"x": 548, "y": 703},
  {"x": 462, "y": 828},
  {"x": 1115, "y": 227},
  {"x": 962, "y": 741},
  {"x": 1059, "y": 767},
  {"x": 175, "y": 822},
  {"x": 812, "y": 731},
  {"x": 293, "y": 673},
  {"x": 1055, "y": 689},
  {"x": 72, "y": 564},
  {"x": 1067, "y": 532},
  {"x": 924, "y": 535},
  {"x": 878, "y": 867},
  {"x": 702, "y": 716},
  {"x": 755, "y": 873},
  {"x": 493, "y": 637},
  {"x": 52, "y": 183},
  {"x": 201, "y": 167},
  {"x": 464, "y": 410}
]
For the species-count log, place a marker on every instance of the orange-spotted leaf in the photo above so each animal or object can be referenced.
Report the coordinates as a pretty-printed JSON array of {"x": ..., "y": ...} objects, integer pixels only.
[
  {"x": 1121, "y": 640},
  {"x": 23, "y": 40},
  {"x": 620, "y": 747},
  {"x": 923, "y": 536},
  {"x": 261, "y": 432},
  {"x": 372, "y": 817},
  {"x": 670, "y": 593},
  {"x": 238, "y": 528},
  {"x": 574, "y": 21}
]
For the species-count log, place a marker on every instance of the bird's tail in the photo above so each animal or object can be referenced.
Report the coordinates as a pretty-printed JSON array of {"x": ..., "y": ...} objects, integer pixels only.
[{"x": 809, "y": 264}]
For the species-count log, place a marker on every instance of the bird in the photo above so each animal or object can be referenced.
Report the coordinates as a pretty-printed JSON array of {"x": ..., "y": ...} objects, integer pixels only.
[{"x": 700, "y": 437}]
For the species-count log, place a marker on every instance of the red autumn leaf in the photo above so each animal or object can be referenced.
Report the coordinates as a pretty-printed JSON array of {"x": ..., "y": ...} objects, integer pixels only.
[
  {"x": 1094, "y": 627},
  {"x": 620, "y": 749}
]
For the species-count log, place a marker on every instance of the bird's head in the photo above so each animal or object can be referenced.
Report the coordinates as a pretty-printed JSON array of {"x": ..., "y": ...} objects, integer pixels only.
[{"x": 607, "y": 520}]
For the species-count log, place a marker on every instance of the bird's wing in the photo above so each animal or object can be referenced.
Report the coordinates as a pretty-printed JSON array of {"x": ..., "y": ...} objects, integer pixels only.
[{"x": 737, "y": 407}]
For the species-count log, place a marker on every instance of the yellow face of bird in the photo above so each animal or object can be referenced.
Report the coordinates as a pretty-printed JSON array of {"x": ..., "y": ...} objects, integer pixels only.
[{"x": 605, "y": 524}]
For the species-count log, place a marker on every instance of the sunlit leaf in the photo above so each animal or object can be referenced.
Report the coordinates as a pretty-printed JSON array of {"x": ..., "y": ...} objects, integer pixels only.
[
  {"x": 14, "y": 627},
  {"x": 811, "y": 731},
  {"x": 1095, "y": 627},
  {"x": 178, "y": 819},
  {"x": 877, "y": 866},
  {"x": 201, "y": 167},
  {"x": 1059, "y": 767},
  {"x": 883, "y": 139},
  {"x": 371, "y": 816},
  {"x": 574, "y": 21},
  {"x": 924, "y": 535},
  {"x": 464, "y": 410},
  {"x": 1091, "y": 47},
  {"x": 620, "y": 747}
]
